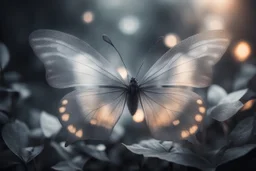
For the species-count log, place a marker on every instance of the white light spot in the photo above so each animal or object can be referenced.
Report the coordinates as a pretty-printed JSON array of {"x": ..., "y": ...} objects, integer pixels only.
[
  {"x": 101, "y": 147},
  {"x": 122, "y": 71},
  {"x": 213, "y": 22},
  {"x": 88, "y": 17},
  {"x": 129, "y": 25}
]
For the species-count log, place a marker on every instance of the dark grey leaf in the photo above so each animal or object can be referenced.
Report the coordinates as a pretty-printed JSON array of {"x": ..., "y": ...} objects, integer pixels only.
[
  {"x": 96, "y": 151},
  {"x": 242, "y": 132},
  {"x": 77, "y": 163},
  {"x": 29, "y": 153},
  {"x": 63, "y": 166},
  {"x": 176, "y": 154},
  {"x": 50, "y": 124},
  {"x": 247, "y": 71},
  {"x": 215, "y": 94},
  {"x": 234, "y": 96},
  {"x": 225, "y": 111},
  {"x": 15, "y": 136},
  {"x": 8, "y": 97},
  {"x": 4, "y": 56},
  {"x": 3, "y": 118},
  {"x": 22, "y": 89},
  {"x": 234, "y": 153}
]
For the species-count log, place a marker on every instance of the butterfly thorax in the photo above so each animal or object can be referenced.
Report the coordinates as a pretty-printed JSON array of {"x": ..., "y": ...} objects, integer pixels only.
[{"x": 132, "y": 96}]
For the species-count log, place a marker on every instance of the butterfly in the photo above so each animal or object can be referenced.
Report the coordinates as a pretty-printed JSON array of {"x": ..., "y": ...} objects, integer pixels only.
[{"x": 163, "y": 92}]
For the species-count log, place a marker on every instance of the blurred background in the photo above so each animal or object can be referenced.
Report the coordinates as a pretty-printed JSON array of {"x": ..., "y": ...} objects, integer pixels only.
[{"x": 134, "y": 26}]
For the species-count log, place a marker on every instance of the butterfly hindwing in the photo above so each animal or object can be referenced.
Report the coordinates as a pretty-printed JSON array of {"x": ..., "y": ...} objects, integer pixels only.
[
  {"x": 91, "y": 113},
  {"x": 172, "y": 113}
]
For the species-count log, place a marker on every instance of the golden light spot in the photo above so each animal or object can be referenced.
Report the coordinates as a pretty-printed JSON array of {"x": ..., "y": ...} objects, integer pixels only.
[
  {"x": 65, "y": 117},
  {"x": 199, "y": 101},
  {"x": 93, "y": 122},
  {"x": 184, "y": 134},
  {"x": 242, "y": 51},
  {"x": 170, "y": 40},
  {"x": 71, "y": 129},
  {"x": 88, "y": 17},
  {"x": 62, "y": 109},
  {"x": 176, "y": 122},
  {"x": 248, "y": 105},
  {"x": 79, "y": 133},
  {"x": 198, "y": 118},
  {"x": 122, "y": 71},
  {"x": 138, "y": 116},
  {"x": 64, "y": 102},
  {"x": 202, "y": 109},
  {"x": 193, "y": 129}
]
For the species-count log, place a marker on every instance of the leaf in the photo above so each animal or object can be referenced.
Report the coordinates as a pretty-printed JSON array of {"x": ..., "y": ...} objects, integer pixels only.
[
  {"x": 177, "y": 154},
  {"x": 242, "y": 132},
  {"x": 63, "y": 166},
  {"x": 225, "y": 111},
  {"x": 50, "y": 124},
  {"x": 215, "y": 94},
  {"x": 30, "y": 153},
  {"x": 77, "y": 163},
  {"x": 15, "y": 136},
  {"x": 94, "y": 151},
  {"x": 4, "y": 56},
  {"x": 3, "y": 118},
  {"x": 246, "y": 72},
  {"x": 8, "y": 98},
  {"x": 22, "y": 89},
  {"x": 234, "y": 153},
  {"x": 233, "y": 97}
]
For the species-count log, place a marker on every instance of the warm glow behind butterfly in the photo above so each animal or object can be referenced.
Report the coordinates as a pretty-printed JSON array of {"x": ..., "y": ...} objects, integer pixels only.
[{"x": 172, "y": 111}]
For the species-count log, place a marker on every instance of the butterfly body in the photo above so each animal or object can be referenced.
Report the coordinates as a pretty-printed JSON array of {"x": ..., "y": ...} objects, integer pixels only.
[
  {"x": 162, "y": 93},
  {"x": 132, "y": 96}
]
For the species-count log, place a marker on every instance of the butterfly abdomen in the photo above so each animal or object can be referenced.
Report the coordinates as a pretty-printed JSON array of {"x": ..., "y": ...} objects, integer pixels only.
[{"x": 132, "y": 96}]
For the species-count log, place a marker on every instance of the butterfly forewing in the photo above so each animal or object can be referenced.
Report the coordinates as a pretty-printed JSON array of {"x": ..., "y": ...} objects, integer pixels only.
[
  {"x": 190, "y": 62},
  {"x": 70, "y": 62}
]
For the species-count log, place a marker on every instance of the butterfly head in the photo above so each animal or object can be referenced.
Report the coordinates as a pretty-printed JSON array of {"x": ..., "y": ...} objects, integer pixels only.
[{"x": 133, "y": 81}]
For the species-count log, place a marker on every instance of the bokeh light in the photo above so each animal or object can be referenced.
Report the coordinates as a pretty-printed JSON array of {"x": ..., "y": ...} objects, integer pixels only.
[
  {"x": 170, "y": 40},
  {"x": 242, "y": 51},
  {"x": 88, "y": 17},
  {"x": 101, "y": 147},
  {"x": 213, "y": 22},
  {"x": 138, "y": 116},
  {"x": 129, "y": 25},
  {"x": 248, "y": 105},
  {"x": 122, "y": 71}
]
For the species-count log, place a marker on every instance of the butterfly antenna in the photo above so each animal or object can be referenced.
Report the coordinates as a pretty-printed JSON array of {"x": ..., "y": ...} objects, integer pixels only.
[
  {"x": 152, "y": 47},
  {"x": 107, "y": 39}
]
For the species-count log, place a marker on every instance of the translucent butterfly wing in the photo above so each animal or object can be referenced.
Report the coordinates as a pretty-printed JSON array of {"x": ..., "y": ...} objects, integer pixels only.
[
  {"x": 70, "y": 62},
  {"x": 92, "y": 110},
  {"x": 190, "y": 62},
  {"x": 172, "y": 113},
  {"x": 91, "y": 113}
]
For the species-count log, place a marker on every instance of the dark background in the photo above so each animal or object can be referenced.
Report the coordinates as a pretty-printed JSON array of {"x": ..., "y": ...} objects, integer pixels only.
[{"x": 18, "y": 18}]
